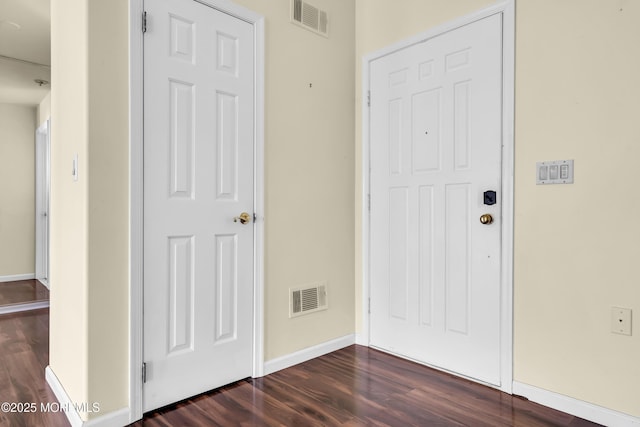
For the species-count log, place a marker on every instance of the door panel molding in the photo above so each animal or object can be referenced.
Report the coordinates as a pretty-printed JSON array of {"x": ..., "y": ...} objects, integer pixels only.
[
  {"x": 136, "y": 103},
  {"x": 507, "y": 11}
]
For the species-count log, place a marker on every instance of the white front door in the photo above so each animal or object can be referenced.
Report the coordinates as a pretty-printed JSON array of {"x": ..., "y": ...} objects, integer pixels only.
[
  {"x": 436, "y": 138},
  {"x": 198, "y": 176}
]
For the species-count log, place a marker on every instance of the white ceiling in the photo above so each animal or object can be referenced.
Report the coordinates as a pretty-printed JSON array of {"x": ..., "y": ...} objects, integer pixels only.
[{"x": 25, "y": 28}]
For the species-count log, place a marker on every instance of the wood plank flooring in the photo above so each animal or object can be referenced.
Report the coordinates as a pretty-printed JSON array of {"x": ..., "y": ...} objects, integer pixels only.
[
  {"x": 358, "y": 386},
  {"x": 24, "y": 353},
  {"x": 355, "y": 386},
  {"x": 22, "y": 291}
]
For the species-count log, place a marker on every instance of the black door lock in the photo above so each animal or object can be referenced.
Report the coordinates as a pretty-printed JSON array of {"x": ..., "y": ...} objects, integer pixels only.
[{"x": 490, "y": 198}]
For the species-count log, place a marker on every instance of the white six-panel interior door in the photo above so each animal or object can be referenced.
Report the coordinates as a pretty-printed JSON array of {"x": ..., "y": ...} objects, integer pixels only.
[
  {"x": 435, "y": 149},
  {"x": 198, "y": 176}
]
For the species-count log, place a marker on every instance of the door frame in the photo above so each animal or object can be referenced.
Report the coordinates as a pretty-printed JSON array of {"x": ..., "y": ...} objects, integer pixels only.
[
  {"x": 136, "y": 218},
  {"x": 507, "y": 10},
  {"x": 43, "y": 197}
]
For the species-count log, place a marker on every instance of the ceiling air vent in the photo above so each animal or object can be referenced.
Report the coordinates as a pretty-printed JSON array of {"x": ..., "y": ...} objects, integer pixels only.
[
  {"x": 309, "y": 17},
  {"x": 308, "y": 299}
]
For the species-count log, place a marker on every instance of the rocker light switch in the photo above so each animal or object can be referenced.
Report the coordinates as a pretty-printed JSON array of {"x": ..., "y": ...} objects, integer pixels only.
[
  {"x": 554, "y": 172},
  {"x": 543, "y": 173}
]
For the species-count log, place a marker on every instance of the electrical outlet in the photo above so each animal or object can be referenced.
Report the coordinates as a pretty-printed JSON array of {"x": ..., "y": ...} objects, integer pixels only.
[{"x": 621, "y": 320}]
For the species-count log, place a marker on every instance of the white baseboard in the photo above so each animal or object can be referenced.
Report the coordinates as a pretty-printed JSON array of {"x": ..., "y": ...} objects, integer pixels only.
[
  {"x": 117, "y": 418},
  {"x": 16, "y": 308},
  {"x": 17, "y": 277},
  {"x": 45, "y": 283},
  {"x": 579, "y": 408},
  {"x": 293, "y": 359},
  {"x": 63, "y": 397}
]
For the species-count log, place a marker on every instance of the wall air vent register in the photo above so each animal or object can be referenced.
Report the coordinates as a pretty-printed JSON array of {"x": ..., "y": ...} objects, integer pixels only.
[
  {"x": 310, "y": 17},
  {"x": 307, "y": 299}
]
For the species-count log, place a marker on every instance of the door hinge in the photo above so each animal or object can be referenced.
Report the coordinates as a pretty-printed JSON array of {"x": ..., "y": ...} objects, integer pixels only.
[
  {"x": 369, "y": 202},
  {"x": 369, "y": 309},
  {"x": 144, "y": 373},
  {"x": 369, "y": 98},
  {"x": 144, "y": 22}
]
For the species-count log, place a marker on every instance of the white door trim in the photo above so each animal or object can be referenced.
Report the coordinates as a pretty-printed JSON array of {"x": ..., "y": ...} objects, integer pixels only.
[
  {"x": 507, "y": 10},
  {"x": 43, "y": 195},
  {"x": 136, "y": 157}
]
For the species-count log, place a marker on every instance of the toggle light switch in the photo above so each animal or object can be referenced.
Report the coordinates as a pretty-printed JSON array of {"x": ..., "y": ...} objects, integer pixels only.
[{"x": 74, "y": 168}]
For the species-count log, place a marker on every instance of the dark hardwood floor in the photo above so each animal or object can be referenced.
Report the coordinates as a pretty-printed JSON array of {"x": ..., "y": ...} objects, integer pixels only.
[
  {"x": 24, "y": 353},
  {"x": 355, "y": 386},
  {"x": 358, "y": 386},
  {"x": 22, "y": 291}
]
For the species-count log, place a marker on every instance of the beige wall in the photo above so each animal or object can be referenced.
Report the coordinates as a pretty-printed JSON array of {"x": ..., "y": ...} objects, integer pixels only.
[
  {"x": 89, "y": 218},
  {"x": 309, "y": 153},
  {"x": 108, "y": 204},
  {"x": 69, "y": 327},
  {"x": 17, "y": 189},
  {"x": 577, "y": 64},
  {"x": 576, "y": 246}
]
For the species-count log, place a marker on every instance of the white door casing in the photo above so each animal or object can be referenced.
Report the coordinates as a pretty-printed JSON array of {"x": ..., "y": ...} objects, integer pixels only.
[
  {"x": 43, "y": 149},
  {"x": 449, "y": 303},
  {"x": 199, "y": 134}
]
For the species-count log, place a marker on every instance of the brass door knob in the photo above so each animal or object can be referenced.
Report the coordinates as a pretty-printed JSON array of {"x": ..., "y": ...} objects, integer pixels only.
[
  {"x": 486, "y": 219},
  {"x": 243, "y": 218}
]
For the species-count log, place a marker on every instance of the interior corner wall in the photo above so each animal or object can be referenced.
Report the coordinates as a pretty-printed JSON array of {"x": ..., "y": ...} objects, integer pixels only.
[
  {"x": 576, "y": 245},
  {"x": 309, "y": 155},
  {"x": 17, "y": 189},
  {"x": 68, "y": 324}
]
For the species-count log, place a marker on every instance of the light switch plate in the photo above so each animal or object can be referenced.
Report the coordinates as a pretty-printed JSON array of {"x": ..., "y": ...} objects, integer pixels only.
[
  {"x": 74, "y": 168},
  {"x": 554, "y": 172}
]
